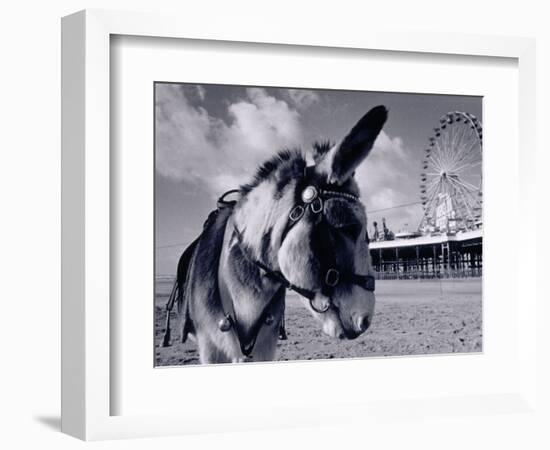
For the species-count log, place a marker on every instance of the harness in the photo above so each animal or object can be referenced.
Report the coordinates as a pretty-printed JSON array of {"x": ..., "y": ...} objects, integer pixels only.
[{"x": 313, "y": 200}]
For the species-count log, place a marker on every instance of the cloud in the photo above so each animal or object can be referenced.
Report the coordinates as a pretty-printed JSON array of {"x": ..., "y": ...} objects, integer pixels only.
[
  {"x": 385, "y": 182},
  {"x": 194, "y": 146},
  {"x": 302, "y": 98},
  {"x": 201, "y": 92},
  {"x": 219, "y": 154},
  {"x": 261, "y": 124}
]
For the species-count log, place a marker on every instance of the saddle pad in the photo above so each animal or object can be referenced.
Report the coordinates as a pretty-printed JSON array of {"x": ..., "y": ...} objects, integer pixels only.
[{"x": 201, "y": 279}]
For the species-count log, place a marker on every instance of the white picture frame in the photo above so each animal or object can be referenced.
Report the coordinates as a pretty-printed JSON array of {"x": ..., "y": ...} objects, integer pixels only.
[{"x": 86, "y": 220}]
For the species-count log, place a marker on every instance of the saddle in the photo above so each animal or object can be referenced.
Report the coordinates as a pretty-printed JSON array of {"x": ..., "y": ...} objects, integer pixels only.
[{"x": 177, "y": 296}]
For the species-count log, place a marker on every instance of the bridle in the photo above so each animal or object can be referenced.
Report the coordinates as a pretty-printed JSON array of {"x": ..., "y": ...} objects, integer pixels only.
[{"x": 312, "y": 199}]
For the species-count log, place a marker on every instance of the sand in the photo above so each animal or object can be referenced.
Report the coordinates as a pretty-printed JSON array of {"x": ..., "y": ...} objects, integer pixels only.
[{"x": 412, "y": 318}]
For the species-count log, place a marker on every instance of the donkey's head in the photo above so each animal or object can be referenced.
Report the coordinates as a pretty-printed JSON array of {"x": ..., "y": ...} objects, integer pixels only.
[{"x": 308, "y": 223}]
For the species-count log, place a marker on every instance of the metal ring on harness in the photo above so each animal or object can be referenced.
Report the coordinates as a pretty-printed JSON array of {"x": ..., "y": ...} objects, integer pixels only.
[
  {"x": 297, "y": 213},
  {"x": 332, "y": 277},
  {"x": 319, "y": 310},
  {"x": 316, "y": 205}
]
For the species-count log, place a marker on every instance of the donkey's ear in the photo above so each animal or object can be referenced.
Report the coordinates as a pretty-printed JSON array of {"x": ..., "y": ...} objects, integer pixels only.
[{"x": 341, "y": 160}]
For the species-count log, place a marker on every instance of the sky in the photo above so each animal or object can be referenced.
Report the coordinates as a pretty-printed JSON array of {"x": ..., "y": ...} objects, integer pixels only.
[{"x": 211, "y": 138}]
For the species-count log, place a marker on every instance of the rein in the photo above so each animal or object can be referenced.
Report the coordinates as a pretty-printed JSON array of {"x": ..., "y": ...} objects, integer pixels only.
[{"x": 275, "y": 275}]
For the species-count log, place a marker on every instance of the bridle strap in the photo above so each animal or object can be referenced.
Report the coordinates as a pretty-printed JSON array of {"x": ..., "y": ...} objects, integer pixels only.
[
  {"x": 278, "y": 276},
  {"x": 247, "y": 345},
  {"x": 367, "y": 282},
  {"x": 273, "y": 274}
]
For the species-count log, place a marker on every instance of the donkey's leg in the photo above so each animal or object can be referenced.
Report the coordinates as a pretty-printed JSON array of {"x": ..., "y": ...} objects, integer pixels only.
[
  {"x": 266, "y": 344},
  {"x": 210, "y": 352},
  {"x": 227, "y": 346}
]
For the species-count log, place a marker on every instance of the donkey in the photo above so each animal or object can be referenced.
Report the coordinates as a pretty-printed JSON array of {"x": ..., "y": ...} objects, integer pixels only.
[{"x": 294, "y": 226}]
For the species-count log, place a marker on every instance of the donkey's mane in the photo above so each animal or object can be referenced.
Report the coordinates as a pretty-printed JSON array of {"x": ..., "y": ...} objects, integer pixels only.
[
  {"x": 286, "y": 164},
  {"x": 320, "y": 149},
  {"x": 283, "y": 166}
]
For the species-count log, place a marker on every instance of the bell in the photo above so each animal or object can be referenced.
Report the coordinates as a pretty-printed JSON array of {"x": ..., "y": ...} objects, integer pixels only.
[
  {"x": 309, "y": 194},
  {"x": 269, "y": 319},
  {"x": 225, "y": 323}
]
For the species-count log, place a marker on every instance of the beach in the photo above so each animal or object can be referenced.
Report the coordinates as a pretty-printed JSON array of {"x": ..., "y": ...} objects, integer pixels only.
[{"x": 412, "y": 317}]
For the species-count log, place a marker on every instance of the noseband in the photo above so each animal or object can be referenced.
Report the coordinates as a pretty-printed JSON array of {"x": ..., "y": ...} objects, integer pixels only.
[{"x": 313, "y": 199}]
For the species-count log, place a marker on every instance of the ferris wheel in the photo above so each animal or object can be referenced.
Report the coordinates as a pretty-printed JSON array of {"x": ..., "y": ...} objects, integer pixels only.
[{"x": 451, "y": 176}]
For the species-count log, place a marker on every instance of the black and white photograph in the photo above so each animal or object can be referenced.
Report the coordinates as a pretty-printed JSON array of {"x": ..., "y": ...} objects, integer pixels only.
[
  {"x": 275, "y": 224},
  {"x": 314, "y": 224}
]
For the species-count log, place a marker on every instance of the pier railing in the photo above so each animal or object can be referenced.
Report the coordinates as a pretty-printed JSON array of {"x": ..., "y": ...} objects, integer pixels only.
[{"x": 474, "y": 272}]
